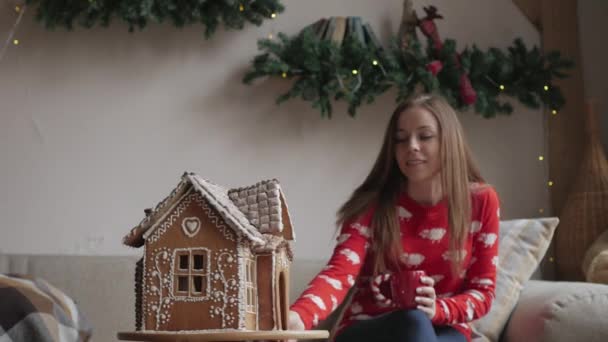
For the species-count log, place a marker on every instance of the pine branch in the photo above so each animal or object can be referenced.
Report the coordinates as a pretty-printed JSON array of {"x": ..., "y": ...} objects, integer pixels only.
[
  {"x": 323, "y": 72},
  {"x": 233, "y": 14}
]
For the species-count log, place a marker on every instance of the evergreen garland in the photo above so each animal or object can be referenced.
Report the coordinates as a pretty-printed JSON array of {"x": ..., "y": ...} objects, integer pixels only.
[
  {"x": 358, "y": 73},
  {"x": 138, "y": 13}
]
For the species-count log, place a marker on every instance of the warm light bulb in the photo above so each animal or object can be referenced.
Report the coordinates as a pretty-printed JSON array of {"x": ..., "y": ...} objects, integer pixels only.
[
  {"x": 273, "y": 15},
  {"x": 270, "y": 36},
  {"x": 375, "y": 62},
  {"x": 16, "y": 41},
  {"x": 284, "y": 75},
  {"x": 541, "y": 158},
  {"x": 541, "y": 210},
  {"x": 355, "y": 72},
  {"x": 502, "y": 87},
  {"x": 554, "y": 112},
  {"x": 17, "y": 9},
  {"x": 551, "y": 259},
  {"x": 550, "y": 183},
  {"x": 546, "y": 87},
  {"x": 241, "y": 8}
]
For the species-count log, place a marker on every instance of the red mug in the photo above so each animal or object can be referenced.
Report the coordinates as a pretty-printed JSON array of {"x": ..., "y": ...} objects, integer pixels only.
[{"x": 402, "y": 287}]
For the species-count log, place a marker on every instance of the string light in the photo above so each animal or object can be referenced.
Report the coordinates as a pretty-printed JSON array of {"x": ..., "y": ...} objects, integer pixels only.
[
  {"x": 273, "y": 15},
  {"x": 546, "y": 88},
  {"x": 541, "y": 210},
  {"x": 270, "y": 36},
  {"x": 20, "y": 10},
  {"x": 554, "y": 112},
  {"x": 284, "y": 75},
  {"x": 502, "y": 87},
  {"x": 550, "y": 183},
  {"x": 375, "y": 62},
  {"x": 241, "y": 7},
  {"x": 355, "y": 71},
  {"x": 551, "y": 259},
  {"x": 541, "y": 158}
]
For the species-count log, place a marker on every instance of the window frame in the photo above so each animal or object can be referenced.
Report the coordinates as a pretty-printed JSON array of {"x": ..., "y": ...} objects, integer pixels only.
[
  {"x": 190, "y": 273},
  {"x": 251, "y": 298}
]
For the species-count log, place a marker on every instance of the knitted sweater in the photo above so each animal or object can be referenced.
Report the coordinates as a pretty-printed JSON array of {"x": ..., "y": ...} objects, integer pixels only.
[{"x": 425, "y": 239}]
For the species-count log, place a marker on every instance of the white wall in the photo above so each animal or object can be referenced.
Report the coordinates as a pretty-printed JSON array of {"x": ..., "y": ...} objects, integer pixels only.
[{"x": 96, "y": 125}]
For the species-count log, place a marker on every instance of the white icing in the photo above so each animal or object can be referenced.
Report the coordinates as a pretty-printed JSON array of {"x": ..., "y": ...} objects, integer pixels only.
[{"x": 191, "y": 226}]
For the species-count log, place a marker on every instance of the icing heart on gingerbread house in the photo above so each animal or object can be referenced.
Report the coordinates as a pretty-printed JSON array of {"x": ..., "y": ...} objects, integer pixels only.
[{"x": 191, "y": 226}]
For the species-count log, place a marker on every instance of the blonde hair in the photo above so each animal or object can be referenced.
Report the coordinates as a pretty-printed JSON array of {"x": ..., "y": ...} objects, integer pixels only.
[{"x": 385, "y": 181}]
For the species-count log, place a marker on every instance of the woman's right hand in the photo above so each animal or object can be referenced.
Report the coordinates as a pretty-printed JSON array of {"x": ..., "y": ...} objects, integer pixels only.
[{"x": 294, "y": 322}]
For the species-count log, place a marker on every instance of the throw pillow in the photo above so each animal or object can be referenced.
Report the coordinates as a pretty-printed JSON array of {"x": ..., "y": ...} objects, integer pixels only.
[
  {"x": 34, "y": 310},
  {"x": 522, "y": 245}
]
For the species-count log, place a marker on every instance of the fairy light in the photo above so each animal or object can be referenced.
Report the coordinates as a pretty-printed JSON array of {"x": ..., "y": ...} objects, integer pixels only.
[
  {"x": 20, "y": 10},
  {"x": 541, "y": 158},
  {"x": 541, "y": 210},
  {"x": 546, "y": 87},
  {"x": 273, "y": 15},
  {"x": 550, "y": 183},
  {"x": 284, "y": 75},
  {"x": 502, "y": 87},
  {"x": 554, "y": 112},
  {"x": 375, "y": 62},
  {"x": 355, "y": 71},
  {"x": 241, "y": 7}
]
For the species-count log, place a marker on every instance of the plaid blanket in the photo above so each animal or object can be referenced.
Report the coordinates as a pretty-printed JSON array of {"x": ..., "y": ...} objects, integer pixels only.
[{"x": 33, "y": 310}]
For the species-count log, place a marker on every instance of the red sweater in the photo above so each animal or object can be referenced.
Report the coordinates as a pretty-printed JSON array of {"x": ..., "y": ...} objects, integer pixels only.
[{"x": 424, "y": 232}]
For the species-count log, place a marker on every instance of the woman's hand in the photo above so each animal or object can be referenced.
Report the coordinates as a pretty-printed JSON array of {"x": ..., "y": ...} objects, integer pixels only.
[
  {"x": 425, "y": 297},
  {"x": 294, "y": 322}
]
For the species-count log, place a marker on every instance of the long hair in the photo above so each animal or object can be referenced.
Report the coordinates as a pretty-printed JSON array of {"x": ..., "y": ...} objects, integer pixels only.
[{"x": 385, "y": 181}]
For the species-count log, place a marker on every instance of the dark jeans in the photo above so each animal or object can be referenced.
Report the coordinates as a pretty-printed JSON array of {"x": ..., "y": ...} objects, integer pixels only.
[{"x": 399, "y": 326}]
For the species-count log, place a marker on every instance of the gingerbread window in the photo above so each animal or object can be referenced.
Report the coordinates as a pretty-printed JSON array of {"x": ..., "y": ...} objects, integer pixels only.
[
  {"x": 190, "y": 272},
  {"x": 250, "y": 286}
]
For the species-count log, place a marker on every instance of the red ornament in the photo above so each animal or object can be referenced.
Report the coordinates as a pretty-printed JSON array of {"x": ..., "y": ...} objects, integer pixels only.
[
  {"x": 434, "y": 67},
  {"x": 467, "y": 93},
  {"x": 428, "y": 27}
]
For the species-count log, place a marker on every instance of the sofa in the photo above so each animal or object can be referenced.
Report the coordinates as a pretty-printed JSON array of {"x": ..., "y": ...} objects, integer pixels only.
[{"x": 103, "y": 288}]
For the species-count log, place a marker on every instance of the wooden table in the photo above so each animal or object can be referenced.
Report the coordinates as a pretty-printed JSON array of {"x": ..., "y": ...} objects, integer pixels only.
[{"x": 201, "y": 336}]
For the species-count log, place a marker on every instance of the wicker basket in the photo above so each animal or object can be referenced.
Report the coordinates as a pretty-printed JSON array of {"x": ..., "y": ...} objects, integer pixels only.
[{"x": 585, "y": 213}]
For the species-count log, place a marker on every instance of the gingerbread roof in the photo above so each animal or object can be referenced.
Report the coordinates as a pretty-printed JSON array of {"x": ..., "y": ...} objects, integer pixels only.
[
  {"x": 265, "y": 207},
  {"x": 253, "y": 211}
]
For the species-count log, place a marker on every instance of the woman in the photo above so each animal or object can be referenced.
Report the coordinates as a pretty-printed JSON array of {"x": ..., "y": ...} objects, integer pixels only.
[{"x": 424, "y": 206}]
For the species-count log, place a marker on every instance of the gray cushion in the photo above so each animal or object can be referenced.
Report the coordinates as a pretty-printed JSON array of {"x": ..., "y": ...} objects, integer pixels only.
[{"x": 560, "y": 312}]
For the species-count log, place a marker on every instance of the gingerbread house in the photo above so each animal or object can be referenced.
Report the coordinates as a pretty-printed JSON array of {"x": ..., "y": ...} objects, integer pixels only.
[{"x": 214, "y": 259}]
